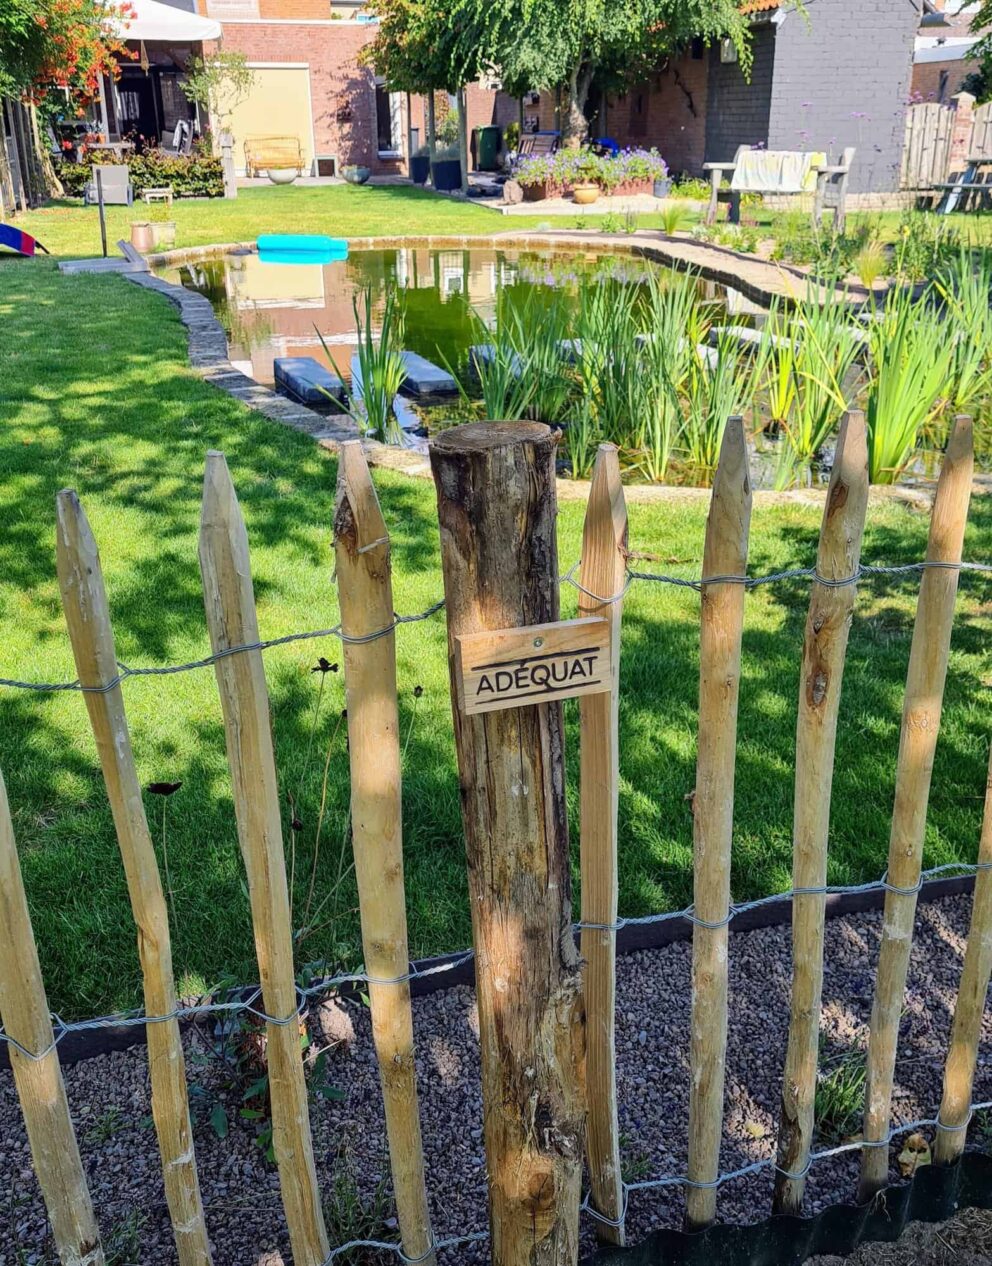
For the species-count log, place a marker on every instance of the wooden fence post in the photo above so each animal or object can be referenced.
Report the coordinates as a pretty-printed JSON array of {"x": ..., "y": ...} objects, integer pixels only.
[
  {"x": 497, "y": 507},
  {"x": 824, "y": 649},
  {"x": 26, "y": 1019},
  {"x": 920, "y": 725},
  {"x": 603, "y": 572},
  {"x": 969, "y": 1010},
  {"x": 361, "y": 548},
  {"x": 84, "y": 600},
  {"x": 722, "y": 621},
  {"x": 232, "y": 620}
]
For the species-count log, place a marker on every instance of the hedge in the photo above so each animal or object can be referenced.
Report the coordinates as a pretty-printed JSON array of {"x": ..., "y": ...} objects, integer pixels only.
[{"x": 196, "y": 176}]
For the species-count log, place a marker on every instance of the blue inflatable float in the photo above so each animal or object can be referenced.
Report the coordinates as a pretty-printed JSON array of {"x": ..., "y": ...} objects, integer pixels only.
[{"x": 301, "y": 248}]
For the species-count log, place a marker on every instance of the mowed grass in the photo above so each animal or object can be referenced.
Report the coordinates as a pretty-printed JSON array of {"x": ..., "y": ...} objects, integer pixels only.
[
  {"x": 96, "y": 394},
  {"x": 68, "y": 228}
]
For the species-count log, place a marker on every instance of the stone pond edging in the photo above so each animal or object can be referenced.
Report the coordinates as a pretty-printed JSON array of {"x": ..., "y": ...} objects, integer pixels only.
[{"x": 208, "y": 351}]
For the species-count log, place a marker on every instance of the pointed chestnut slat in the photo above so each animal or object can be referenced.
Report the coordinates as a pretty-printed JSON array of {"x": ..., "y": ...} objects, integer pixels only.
[
  {"x": 232, "y": 621},
  {"x": 361, "y": 549},
  {"x": 722, "y": 622},
  {"x": 26, "y": 1019},
  {"x": 604, "y": 566},
  {"x": 969, "y": 1010},
  {"x": 824, "y": 650},
  {"x": 84, "y": 600},
  {"x": 920, "y": 724}
]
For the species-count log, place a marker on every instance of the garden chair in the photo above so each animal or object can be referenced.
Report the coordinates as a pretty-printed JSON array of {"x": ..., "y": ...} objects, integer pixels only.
[
  {"x": 115, "y": 183},
  {"x": 831, "y": 190}
]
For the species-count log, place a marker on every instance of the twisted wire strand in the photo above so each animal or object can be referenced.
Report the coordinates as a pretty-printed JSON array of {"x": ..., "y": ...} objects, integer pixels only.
[
  {"x": 325, "y": 987},
  {"x": 756, "y": 1167},
  {"x": 568, "y": 578}
]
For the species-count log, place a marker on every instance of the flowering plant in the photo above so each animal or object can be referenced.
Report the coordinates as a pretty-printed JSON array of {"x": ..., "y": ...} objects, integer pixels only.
[
  {"x": 570, "y": 167},
  {"x": 67, "y": 44}
]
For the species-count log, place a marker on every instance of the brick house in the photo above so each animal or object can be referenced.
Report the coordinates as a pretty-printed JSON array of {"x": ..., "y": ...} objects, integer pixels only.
[
  {"x": 835, "y": 75},
  {"x": 309, "y": 83},
  {"x": 943, "y": 58}
]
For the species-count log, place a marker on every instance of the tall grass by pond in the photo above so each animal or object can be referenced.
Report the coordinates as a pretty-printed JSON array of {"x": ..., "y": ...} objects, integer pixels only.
[
  {"x": 635, "y": 366},
  {"x": 640, "y": 364}
]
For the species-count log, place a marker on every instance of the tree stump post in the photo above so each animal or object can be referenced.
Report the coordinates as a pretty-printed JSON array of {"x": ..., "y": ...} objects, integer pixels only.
[{"x": 497, "y": 508}]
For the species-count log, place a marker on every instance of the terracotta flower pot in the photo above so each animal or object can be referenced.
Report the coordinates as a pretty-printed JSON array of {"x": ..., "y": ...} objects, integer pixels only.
[
  {"x": 142, "y": 236},
  {"x": 538, "y": 192}
]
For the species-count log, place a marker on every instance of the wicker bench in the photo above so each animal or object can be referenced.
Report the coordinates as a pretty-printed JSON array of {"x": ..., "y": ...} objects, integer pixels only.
[{"x": 263, "y": 152}]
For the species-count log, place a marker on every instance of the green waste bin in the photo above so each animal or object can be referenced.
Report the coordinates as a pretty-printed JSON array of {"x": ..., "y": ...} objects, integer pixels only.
[{"x": 487, "y": 143}]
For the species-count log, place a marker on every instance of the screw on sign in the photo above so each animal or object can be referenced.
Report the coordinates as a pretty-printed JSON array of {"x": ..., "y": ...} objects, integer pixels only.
[{"x": 510, "y": 668}]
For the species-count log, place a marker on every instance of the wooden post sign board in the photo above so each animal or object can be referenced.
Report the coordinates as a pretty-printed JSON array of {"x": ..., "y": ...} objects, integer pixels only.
[{"x": 511, "y": 668}]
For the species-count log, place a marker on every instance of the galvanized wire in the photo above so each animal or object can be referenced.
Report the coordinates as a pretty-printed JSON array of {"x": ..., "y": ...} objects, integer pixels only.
[
  {"x": 568, "y": 578},
  {"x": 327, "y": 986}
]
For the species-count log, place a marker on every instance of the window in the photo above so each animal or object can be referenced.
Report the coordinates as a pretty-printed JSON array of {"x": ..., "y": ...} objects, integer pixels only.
[{"x": 388, "y": 124}]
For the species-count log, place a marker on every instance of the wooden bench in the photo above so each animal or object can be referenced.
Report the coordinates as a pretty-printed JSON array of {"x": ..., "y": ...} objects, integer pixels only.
[
  {"x": 263, "y": 152},
  {"x": 830, "y": 193},
  {"x": 970, "y": 189},
  {"x": 534, "y": 144}
]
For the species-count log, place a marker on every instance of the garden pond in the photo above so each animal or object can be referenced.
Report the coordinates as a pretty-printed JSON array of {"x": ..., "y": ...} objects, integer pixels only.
[{"x": 442, "y": 302}]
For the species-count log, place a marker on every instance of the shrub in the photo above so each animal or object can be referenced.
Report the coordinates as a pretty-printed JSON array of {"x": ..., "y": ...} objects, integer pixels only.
[{"x": 195, "y": 176}]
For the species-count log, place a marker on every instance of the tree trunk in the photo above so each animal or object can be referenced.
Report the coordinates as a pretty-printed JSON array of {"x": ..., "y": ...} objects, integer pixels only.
[
  {"x": 496, "y": 504},
  {"x": 576, "y": 127},
  {"x": 52, "y": 183},
  {"x": 463, "y": 137},
  {"x": 431, "y": 124}
]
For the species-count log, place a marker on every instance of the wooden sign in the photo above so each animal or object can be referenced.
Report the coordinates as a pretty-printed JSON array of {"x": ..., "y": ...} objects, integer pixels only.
[{"x": 510, "y": 668}]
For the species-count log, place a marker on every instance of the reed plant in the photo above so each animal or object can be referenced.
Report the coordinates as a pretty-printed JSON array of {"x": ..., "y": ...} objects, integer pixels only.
[
  {"x": 721, "y": 386},
  {"x": 908, "y": 371},
  {"x": 827, "y": 344},
  {"x": 964, "y": 289},
  {"x": 380, "y": 364},
  {"x": 674, "y": 320},
  {"x": 607, "y": 359}
]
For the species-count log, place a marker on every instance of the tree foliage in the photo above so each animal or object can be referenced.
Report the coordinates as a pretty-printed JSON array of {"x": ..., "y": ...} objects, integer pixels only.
[
  {"x": 219, "y": 84},
  {"x": 419, "y": 48},
  {"x": 573, "y": 45},
  {"x": 66, "y": 44}
]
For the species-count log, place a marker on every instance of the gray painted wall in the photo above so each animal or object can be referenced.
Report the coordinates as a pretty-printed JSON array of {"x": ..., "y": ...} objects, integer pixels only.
[
  {"x": 738, "y": 110},
  {"x": 842, "y": 77}
]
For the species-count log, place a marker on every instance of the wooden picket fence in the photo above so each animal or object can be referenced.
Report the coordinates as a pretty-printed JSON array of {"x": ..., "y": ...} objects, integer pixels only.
[{"x": 546, "y": 1015}]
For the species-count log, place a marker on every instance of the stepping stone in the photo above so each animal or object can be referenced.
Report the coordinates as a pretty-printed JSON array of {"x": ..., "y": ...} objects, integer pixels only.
[
  {"x": 746, "y": 338},
  {"x": 424, "y": 379},
  {"x": 484, "y": 354},
  {"x": 302, "y": 378}
]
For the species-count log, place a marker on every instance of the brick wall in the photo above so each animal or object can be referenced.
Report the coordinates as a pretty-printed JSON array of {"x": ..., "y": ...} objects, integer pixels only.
[
  {"x": 342, "y": 93},
  {"x": 842, "y": 78},
  {"x": 738, "y": 109},
  {"x": 926, "y": 85}
]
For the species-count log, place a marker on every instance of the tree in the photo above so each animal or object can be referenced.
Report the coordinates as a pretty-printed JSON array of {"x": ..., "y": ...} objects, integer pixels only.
[
  {"x": 60, "y": 44},
  {"x": 419, "y": 49},
  {"x": 575, "y": 45},
  {"x": 219, "y": 84},
  {"x": 979, "y": 82}
]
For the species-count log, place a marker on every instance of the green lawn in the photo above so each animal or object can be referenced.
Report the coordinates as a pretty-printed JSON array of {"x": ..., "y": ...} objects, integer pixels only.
[
  {"x": 95, "y": 394},
  {"x": 69, "y": 228}
]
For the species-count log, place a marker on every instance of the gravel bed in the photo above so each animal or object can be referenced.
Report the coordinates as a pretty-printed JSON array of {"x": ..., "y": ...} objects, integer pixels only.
[{"x": 110, "y": 1103}]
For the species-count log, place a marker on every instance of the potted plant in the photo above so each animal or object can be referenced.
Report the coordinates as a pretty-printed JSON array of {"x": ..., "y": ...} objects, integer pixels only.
[
  {"x": 582, "y": 170},
  {"x": 356, "y": 174},
  {"x": 446, "y": 169},
  {"x": 539, "y": 177},
  {"x": 163, "y": 230},
  {"x": 420, "y": 165}
]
